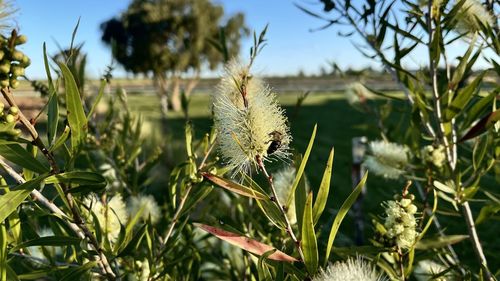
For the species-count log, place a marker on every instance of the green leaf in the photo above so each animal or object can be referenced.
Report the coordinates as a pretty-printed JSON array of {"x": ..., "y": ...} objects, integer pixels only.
[
  {"x": 75, "y": 114},
  {"x": 53, "y": 105},
  {"x": 324, "y": 189},
  {"x": 12, "y": 199},
  {"x": 61, "y": 140},
  {"x": 20, "y": 156},
  {"x": 129, "y": 231},
  {"x": 234, "y": 187},
  {"x": 78, "y": 273},
  {"x": 342, "y": 213},
  {"x": 309, "y": 243},
  {"x": 3, "y": 252},
  {"x": 246, "y": 243},
  {"x": 443, "y": 187},
  {"x": 48, "y": 241},
  {"x": 269, "y": 208},
  {"x": 487, "y": 212},
  {"x": 439, "y": 242},
  {"x": 300, "y": 199},
  {"x": 262, "y": 268},
  {"x": 463, "y": 97},
  {"x": 462, "y": 65},
  {"x": 302, "y": 166},
  {"x": 479, "y": 151},
  {"x": 76, "y": 177},
  {"x": 132, "y": 246}
]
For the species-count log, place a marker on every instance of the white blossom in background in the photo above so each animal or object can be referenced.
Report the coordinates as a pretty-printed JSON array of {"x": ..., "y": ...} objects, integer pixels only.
[
  {"x": 354, "y": 269},
  {"x": 434, "y": 155},
  {"x": 283, "y": 181},
  {"x": 257, "y": 129},
  {"x": 425, "y": 269},
  {"x": 472, "y": 15},
  {"x": 386, "y": 159},
  {"x": 400, "y": 222},
  {"x": 147, "y": 203},
  {"x": 356, "y": 93},
  {"x": 110, "y": 216}
]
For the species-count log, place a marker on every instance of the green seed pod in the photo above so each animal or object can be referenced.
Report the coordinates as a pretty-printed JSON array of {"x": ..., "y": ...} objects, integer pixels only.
[
  {"x": 4, "y": 67},
  {"x": 17, "y": 56},
  {"x": 2, "y": 106},
  {"x": 17, "y": 70},
  {"x": 14, "y": 110},
  {"x": 4, "y": 83},
  {"x": 13, "y": 83},
  {"x": 10, "y": 118},
  {"x": 21, "y": 39},
  {"x": 2, "y": 54}
]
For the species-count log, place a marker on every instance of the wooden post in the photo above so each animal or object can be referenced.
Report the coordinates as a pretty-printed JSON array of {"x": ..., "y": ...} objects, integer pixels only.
[{"x": 357, "y": 172}]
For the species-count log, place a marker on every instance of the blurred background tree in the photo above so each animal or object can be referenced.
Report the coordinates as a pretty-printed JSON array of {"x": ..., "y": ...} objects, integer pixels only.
[{"x": 171, "y": 40}]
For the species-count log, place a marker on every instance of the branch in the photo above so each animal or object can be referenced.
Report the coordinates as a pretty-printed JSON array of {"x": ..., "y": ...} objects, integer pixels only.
[{"x": 276, "y": 200}]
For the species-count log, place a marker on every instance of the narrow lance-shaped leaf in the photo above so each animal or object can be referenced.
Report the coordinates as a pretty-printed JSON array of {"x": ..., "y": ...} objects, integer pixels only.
[
  {"x": 76, "y": 177},
  {"x": 53, "y": 106},
  {"x": 12, "y": 199},
  {"x": 3, "y": 252},
  {"x": 309, "y": 244},
  {"x": 246, "y": 243},
  {"x": 324, "y": 189},
  {"x": 20, "y": 156},
  {"x": 342, "y": 213},
  {"x": 76, "y": 116},
  {"x": 234, "y": 187},
  {"x": 463, "y": 97},
  {"x": 302, "y": 166},
  {"x": 48, "y": 241},
  {"x": 439, "y": 242}
]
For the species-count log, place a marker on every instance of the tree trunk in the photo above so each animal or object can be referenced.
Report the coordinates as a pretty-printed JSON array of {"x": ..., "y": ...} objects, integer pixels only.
[
  {"x": 192, "y": 84},
  {"x": 161, "y": 85},
  {"x": 175, "y": 98}
]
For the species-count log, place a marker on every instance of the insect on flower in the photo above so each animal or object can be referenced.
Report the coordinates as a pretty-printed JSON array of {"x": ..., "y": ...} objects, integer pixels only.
[{"x": 275, "y": 142}]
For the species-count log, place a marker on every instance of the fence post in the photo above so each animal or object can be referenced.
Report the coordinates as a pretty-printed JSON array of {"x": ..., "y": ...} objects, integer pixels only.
[{"x": 357, "y": 172}]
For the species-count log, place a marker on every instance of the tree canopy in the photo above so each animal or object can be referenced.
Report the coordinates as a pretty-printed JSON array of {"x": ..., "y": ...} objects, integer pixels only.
[{"x": 158, "y": 36}]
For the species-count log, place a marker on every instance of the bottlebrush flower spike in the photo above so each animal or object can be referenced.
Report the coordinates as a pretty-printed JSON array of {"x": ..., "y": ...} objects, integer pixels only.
[{"x": 250, "y": 122}]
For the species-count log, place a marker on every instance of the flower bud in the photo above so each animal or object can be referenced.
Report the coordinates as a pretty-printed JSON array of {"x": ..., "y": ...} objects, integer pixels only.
[
  {"x": 2, "y": 106},
  {"x": 412, "y": 209},
  {"x": 4, "y": 67},
  {"x": 4, "y": 83},
  {"x": 17, "y": 70},
  {"x": 17, "y": 55},
  {"x": 25, "y": 61},
  {"x": 405, "y": 202},
  {"x": 13, "y": 83},
  {"x": 14, "y": 110},
  {"x": 2, "y": 54},
  {"x": 10, "y": 118},
  {"x": 21, "y": 39}
]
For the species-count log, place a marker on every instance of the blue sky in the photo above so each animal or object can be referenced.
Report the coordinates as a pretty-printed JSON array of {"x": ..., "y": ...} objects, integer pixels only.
[{"x": 291, "y": 46}]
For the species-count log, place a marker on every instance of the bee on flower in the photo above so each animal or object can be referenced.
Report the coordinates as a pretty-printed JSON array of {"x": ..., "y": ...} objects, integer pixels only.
[{"x": 252, "y": 126}]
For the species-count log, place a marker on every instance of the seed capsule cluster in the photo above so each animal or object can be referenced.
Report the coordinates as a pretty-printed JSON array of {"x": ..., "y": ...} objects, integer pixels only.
[
  {"x": 8, "y": 121},
  {"x": 12, "y": 61}
]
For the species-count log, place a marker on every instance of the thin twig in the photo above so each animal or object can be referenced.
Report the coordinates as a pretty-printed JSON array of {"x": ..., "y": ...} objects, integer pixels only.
[
  {"x": 276, "y": 200},
  {"x": 177, "y": 214}
]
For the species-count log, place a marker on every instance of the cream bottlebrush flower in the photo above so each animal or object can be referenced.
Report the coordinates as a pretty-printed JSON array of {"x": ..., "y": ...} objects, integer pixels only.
[
  {"x": 400, "y": 222},
  {"x": 426, "y": 269},
  {"x": 147, "y": 203},
  {"x": 283, "y": 181},
  {"x": 434, "y": 155},
  {"x": 249, "y": 120},
  {"x": 387, "y": 159},
  {"x": 350, "y": 270},
  {"x": 472, "y": 15},
  {"x": 110, "y": 216},
  {"x": 356, "y": 93}
]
